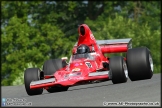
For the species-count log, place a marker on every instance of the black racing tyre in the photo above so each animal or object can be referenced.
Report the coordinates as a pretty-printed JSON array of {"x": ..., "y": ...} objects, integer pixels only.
[
  {"x": 140, "y": 63},
  {"x": 118, "y": 69},
  {"x": 57, "y": 89},
  {"x": 32, "y": 74},
  {"x": 52, "y": 65}
]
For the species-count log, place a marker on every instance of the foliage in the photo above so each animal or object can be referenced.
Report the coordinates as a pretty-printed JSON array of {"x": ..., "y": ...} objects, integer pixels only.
[{"x": 34, "y": 31}]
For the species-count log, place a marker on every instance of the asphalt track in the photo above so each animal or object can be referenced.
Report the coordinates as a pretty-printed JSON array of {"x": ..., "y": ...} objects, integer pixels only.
[{"x": 93, "y": 94}]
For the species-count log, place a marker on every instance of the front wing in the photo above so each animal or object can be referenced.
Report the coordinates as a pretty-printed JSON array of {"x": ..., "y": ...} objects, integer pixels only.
[{"x": 70, "y": 81}]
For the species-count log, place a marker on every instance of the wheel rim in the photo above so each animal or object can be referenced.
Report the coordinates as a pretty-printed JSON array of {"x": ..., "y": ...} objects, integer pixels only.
[
  {"x": 125, "y": 69},
  {"x": 151, "y": 63}
]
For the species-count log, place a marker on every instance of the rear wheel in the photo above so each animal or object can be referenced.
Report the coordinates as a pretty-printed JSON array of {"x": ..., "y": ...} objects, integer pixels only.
[
  {"x": 52, "y": 65},
  {"x": 140, "y": 64},
  {"x": 32, "y": 74},
  {"x": 118, "y": 70}
]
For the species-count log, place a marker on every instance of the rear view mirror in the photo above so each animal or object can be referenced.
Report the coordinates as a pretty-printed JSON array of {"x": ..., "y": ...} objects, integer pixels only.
[{"x": 64, "y": 58}]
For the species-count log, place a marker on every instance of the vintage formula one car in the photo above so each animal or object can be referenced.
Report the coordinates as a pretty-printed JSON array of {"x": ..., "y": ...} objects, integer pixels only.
[{"x": 88, "y": 64}]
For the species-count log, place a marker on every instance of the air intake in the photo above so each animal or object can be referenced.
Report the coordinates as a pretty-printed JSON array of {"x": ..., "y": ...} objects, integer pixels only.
[{"x": 82, "y": 31}]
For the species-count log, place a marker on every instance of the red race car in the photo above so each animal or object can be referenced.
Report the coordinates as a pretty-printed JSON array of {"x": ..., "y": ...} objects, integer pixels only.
[{"x": 88, "y": 64}]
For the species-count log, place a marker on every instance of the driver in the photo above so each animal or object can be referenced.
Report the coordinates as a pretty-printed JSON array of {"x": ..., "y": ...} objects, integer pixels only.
[
  {"x": 83, "y": 49},
  {"x": 83, "y": 52}
]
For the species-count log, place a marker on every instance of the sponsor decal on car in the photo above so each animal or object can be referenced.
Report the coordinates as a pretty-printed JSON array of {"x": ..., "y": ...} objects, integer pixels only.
[
  {"x": 76, "y": 69},
  {"x": 88, "y": 64},
  {"x": 76, "y": 78},
  {"x": 76, "y": 64}
]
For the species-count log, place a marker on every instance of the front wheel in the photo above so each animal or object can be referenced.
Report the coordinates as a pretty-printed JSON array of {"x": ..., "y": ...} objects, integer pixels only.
[
  {"x": 32, "y": 74},
  {"x": 118, "y": 70}
]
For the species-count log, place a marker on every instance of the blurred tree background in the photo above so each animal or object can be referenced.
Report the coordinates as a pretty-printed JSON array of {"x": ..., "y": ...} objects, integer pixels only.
[{"x": 34, "y": 31}]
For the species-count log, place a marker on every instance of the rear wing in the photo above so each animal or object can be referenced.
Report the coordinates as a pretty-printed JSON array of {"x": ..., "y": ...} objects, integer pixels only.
[
  {"x": 112, "y": 45},
  {"x": 127, "y": 41},
  {"x": 115, "y": 45},
  {"x": 113, "y": 41}
]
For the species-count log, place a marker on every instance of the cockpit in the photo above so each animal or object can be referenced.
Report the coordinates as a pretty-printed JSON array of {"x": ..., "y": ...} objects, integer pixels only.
[{"x": 83, "y": 52}]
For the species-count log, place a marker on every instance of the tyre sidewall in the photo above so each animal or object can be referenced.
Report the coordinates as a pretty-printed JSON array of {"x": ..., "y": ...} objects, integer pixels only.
[
  {"x": 117, "y": 70},
  {"x": 138, "y": 64},
  {"x": 32, "y": 74}
]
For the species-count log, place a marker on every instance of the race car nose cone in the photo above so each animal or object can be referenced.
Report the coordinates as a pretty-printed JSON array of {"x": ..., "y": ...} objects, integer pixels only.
[{"x": 82, "y": 30}]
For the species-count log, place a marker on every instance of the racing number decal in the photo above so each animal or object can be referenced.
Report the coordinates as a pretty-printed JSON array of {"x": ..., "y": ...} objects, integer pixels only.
[{"x": 88, "y": 64}]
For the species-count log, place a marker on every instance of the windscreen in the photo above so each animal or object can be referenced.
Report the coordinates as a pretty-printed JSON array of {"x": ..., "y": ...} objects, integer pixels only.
[{"x": 80, "y": 56}]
